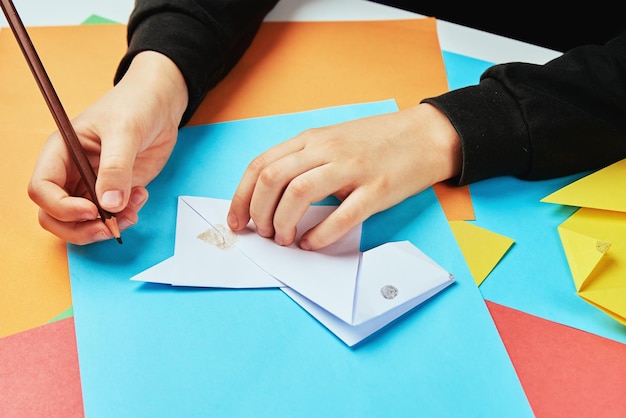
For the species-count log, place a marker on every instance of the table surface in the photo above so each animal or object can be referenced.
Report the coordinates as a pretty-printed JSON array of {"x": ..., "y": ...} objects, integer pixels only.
[{"x": 453, "y": 37}]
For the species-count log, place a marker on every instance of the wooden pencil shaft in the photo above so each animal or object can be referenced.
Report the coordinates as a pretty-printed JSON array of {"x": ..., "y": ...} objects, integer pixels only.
[{"x": 54, "y": 103}]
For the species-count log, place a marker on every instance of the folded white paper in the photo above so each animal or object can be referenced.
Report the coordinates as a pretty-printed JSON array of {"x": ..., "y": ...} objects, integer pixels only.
[{"x": 352, "y": 293}]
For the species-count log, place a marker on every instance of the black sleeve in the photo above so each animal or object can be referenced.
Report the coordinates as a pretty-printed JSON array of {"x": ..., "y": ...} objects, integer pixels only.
[
  {"x": 543, "y": 121},
  {"x": 205, "y": 38}
]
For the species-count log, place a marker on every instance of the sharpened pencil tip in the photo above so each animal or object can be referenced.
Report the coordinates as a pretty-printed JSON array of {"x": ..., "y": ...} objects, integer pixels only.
[{"x": 112, "y": 224}]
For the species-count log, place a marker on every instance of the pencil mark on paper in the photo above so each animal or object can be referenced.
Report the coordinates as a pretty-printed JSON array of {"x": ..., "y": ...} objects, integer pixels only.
[
  {"x": 221, "y": 237},
  {"x": 389, "y": 291}
]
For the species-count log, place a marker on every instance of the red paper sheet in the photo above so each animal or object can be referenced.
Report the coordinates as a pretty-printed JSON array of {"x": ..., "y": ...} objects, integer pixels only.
[
  {"x": 39, "y": 375},
  {"x": 565, "y": 372}
]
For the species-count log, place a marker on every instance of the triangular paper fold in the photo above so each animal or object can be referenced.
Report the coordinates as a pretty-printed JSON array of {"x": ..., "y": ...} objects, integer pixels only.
[
  {"x": 583, "y": 254},
  {"x": 609, "y": 301},
  {"x": 481, "y": 248},
  {"x": 598, "y": 268},
  {"x": 604, "y": 189}
]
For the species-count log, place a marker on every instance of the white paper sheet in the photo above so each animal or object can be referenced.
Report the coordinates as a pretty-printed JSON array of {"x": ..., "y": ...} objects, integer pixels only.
[{"x": 352, "y": 293}]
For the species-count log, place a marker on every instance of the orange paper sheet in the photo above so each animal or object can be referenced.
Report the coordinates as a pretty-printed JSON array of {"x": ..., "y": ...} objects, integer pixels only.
[
  {"x": 296, "y": 66},
  {"x": 456, "y": 201},
  {"x": 34, "y": 283}
]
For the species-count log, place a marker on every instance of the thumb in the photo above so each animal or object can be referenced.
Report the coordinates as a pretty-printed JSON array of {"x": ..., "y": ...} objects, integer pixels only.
[{"x": 115, "y": 173}]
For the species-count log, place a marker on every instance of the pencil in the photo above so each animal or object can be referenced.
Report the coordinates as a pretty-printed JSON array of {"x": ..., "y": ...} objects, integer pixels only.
[{"x": 63, "y": 123}]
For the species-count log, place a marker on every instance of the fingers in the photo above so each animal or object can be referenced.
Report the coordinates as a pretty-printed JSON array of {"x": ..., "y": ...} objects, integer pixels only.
[
  {"x": 350, "y": 213},
  {"x": 50, "y": 179},
  {"x": 85, "y": 231},
  {"x": 240, "y": 212},
  {"x": 280, "y": 185},
  {"x": 306, "y": 188},
  {"x": 115, "y": 172}
]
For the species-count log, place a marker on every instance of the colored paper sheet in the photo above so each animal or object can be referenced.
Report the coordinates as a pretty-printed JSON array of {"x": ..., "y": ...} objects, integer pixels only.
[
  {"x": 598, "y": 235},
  {"x": 97, "y": 20},
  {"x": 456, "y": 201},
  {"x": 295, "y": 66},
  {"x": 594, "y": 238},
  {"x": 565, "y": 372},
  {"x": 214, "y": 347},
  {"x": 463, "y": 71},
  {"x": 603, "y": 189},
  {"x": 482, "y": 249},
  {"x": 69, "y": 312},
  {"x": 583, "y": 253},
  {"x": 34, "y": 285},
  {"x": 534, "y": 276},
  {"x": 39, "y": 375},
  {"x": 80, "y": 61}
]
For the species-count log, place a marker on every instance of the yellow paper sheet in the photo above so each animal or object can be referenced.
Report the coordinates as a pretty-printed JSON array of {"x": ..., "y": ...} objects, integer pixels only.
[
  {"x": 594, "y": 235},
  {"x": 481, "y": 248},
  {"x": 603, "y": 189}
]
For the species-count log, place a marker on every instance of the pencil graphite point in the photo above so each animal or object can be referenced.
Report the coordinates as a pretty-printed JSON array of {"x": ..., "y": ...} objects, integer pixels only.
[{"x": 111, "y": 223}]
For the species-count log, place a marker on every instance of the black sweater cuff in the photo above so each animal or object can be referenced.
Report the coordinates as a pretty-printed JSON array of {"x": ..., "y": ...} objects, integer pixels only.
[{"x": 495, "y": 140}]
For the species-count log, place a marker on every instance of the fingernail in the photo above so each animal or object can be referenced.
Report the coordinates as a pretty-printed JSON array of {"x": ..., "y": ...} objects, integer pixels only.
[
  {"x": 111, "y": 198},
  {"x": 87, "y": 216},
  {"x": 137, "y": 199},
  {"x": 232, "y": 221},
  {"x": 264, "y": 233},
  {"x": 280, "y": 240},
  {"x": 305, "y": 244}
]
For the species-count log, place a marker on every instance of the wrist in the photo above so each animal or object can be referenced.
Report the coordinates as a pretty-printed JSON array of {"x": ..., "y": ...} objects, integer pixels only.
[
  {"x": 444, "y": 141},
  {"x": 160, "y": 77}
]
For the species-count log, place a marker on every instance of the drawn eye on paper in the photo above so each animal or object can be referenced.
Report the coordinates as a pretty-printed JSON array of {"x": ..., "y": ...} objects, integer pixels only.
[{"x": 221, "y": 237}]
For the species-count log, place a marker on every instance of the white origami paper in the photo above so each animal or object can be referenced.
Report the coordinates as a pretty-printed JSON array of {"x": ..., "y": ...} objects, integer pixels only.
[{"x": 352, "y": 293}]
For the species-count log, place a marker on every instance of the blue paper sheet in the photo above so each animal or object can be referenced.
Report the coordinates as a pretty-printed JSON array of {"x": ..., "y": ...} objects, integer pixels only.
[
  {"x": 151, "y": 350},
  {"x": 463, "y": 71}
]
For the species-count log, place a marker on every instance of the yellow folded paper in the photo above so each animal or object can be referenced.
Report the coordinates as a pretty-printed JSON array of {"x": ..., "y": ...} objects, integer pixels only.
[
  {"x": 594, "y": 241},
  {"x": 594, "y": 237}
]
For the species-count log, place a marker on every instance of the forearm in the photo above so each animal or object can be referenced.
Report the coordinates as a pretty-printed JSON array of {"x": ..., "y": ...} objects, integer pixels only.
[
  {"x": 542, "y": 121},
  {"x": 204, "y": 38}
]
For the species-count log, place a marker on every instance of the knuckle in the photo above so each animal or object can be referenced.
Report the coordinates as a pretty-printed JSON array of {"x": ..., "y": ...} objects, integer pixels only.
[
  {"x": 112, "y": 164},
  {"x": 300, "y": 187},
  {"x": 260, "y": 219},
  {"x": 269, "y": 176},
  {"x": 33, "y": 192},
  {"x": 309, "y": 134},
  {"x": 344, "y": 220},
  {"x": 257, "y": 164}
]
